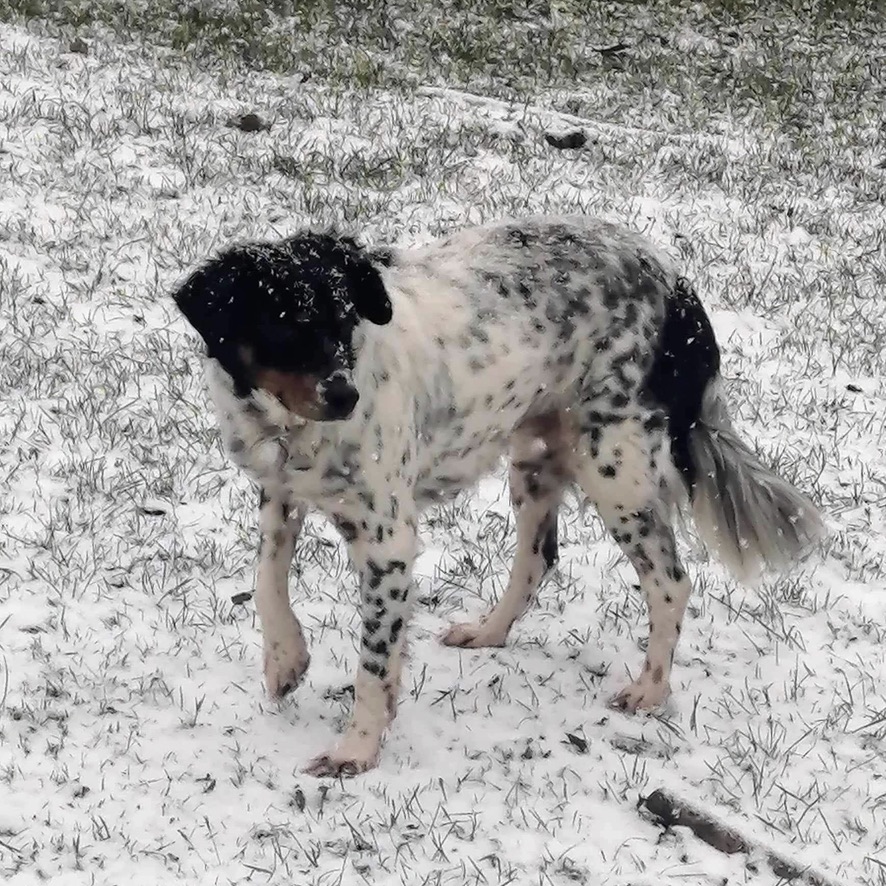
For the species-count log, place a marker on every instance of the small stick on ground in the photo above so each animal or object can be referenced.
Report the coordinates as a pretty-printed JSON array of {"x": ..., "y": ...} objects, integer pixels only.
[{"x": 670, "y": 811}]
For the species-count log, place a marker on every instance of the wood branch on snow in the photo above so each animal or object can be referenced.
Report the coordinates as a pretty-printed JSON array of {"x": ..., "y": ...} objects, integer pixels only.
[{"x": 670, "y": 811}]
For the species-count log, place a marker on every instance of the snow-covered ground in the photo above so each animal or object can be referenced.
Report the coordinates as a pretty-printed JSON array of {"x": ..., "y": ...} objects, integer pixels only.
[{"x": 136, "y": 744}]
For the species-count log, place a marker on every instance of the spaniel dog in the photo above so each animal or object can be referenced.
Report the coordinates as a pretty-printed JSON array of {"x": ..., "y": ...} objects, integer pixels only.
[{"x": 369, "y": 385}]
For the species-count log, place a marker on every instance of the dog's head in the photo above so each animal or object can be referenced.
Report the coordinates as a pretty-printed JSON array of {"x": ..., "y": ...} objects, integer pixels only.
[{"x": 280, "y": 317}]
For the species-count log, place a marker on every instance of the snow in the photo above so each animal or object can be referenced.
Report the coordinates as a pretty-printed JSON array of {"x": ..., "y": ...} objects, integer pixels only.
[{"x": 136, "y": 743}]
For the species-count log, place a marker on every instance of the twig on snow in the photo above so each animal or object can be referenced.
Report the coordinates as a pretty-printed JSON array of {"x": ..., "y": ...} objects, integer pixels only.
[{"x": 670, "y": 811}]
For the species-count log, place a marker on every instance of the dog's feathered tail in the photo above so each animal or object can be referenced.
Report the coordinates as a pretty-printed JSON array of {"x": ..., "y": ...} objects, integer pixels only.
[{"x": 751, "y": 518}]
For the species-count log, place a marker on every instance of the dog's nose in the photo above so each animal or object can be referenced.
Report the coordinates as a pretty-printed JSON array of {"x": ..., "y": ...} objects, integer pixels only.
[{"x": 340, "y": 396}]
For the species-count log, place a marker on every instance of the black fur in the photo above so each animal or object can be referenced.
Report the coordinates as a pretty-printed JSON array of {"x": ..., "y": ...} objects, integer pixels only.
[
  {"x": 686, "y": 360},
  {"x": 294, "y": 304},
  {"x": 550, "y": 547}
]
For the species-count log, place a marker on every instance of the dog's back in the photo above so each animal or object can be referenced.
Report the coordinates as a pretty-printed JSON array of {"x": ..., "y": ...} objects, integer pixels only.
[{"x": 495, "y": 325}]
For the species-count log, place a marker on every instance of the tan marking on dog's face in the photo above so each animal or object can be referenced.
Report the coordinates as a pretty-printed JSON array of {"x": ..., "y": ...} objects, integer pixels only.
[{"x": 298, "y": 393}]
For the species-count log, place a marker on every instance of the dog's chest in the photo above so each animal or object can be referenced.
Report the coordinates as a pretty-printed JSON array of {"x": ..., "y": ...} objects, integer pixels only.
[
  {"x": 340, "y": 475},
  {"x": 300, "y": 466}
]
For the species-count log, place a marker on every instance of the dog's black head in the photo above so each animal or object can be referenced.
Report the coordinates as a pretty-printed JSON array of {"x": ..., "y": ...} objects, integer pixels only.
[{"x": 281, "y": 317}]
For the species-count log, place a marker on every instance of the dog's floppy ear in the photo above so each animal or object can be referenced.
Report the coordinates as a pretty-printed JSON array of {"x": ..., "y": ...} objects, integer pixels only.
[
  {"x": 204, "y": 298},
  {"x": 365, "y": 286}
]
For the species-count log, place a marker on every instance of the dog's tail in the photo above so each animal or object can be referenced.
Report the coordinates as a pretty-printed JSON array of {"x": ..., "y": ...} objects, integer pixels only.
[
  {"x": 752, "y": 518},
  {"x": 744, "y": 512}
]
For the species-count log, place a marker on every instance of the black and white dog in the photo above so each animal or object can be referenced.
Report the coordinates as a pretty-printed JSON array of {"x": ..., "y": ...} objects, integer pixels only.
[{"x": 368, "y": 385}]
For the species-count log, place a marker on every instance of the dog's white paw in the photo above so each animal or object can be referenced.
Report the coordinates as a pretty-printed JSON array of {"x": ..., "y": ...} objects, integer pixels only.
[
  {"x": 643, "y": 694},
  {"x": 353, "y": 756},
  {"x": 473, "y": 635}
]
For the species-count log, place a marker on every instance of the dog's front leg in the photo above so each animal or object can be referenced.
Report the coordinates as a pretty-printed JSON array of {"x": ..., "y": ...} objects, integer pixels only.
[
  {"x": 384, "y": 557},
  {"x": 286, "y": 655}
]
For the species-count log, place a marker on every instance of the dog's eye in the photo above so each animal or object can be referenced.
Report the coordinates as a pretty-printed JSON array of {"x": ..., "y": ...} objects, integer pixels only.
[
  {"x": 295, "y": 318},
  {"x": 305, "y": 354}
]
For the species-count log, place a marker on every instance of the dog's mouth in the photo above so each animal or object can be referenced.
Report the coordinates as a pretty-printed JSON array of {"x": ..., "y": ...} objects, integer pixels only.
[{"x": 310, "y": 398}]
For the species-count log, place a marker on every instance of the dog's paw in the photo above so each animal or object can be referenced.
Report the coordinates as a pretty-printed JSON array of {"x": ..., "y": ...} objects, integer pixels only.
[
  {"x": 285, "y": 667},
  {"x": 346, "y": 761},
  {"x": 475, "y": 635},
  {"x": 643, "y": 694}
]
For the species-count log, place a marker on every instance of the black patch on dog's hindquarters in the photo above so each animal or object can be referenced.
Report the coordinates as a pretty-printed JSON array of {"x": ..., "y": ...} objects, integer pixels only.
[{"x": 686, "y": 359}]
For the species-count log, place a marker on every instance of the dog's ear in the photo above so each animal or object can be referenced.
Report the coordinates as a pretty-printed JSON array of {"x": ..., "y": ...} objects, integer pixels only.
[
  {"x": 204, "y": 299},
  {"x": 365, "y": 286}
]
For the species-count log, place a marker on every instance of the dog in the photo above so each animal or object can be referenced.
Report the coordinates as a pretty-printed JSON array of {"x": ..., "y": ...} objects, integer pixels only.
[{"x": 370, "y": 384}]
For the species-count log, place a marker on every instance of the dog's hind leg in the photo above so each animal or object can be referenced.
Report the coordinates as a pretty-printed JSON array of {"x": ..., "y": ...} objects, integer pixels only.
[
  {"x": 539, "y": 459},
  {"x": 286, "y": 655},
  {"x": 624, "y": 469}
]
